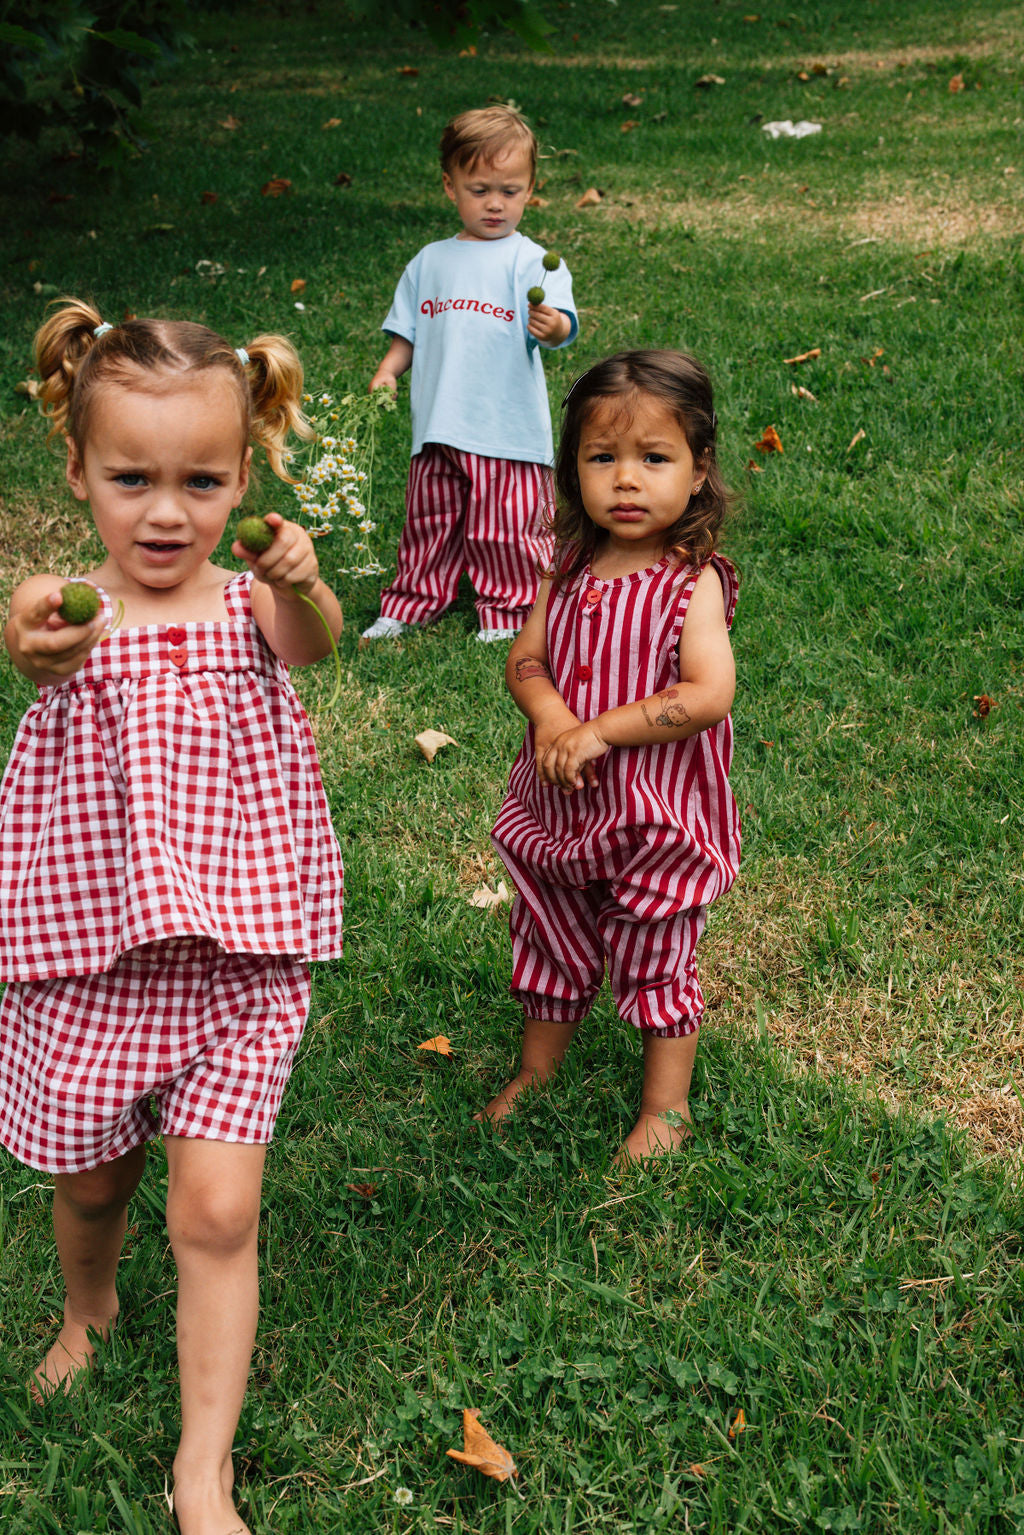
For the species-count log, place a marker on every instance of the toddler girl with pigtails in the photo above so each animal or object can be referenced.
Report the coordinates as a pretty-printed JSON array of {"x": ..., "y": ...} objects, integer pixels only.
[
  {"x": 619, "y": 826},
  {"x": 167, "y": 863}
]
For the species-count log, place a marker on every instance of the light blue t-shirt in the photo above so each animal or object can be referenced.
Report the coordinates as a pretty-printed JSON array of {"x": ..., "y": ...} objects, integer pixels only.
[{"x": 477, "y": 376}]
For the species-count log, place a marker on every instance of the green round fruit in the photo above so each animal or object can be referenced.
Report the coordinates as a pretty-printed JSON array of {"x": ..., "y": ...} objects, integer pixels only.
[
  {"x": 254, "y": 534},
  {"x": 535, "y": 295},
  {"x": 80, "y": 603},
  {"x": 551, "y": 261}
]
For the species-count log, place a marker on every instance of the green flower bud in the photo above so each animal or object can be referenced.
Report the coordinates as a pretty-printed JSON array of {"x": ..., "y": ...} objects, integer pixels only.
[
  {"x": 80, "y": 603},
  {"x": 535, "y": 295},
  {"x": 254, "y": 534},
  {"x": 551, "y": 261}
]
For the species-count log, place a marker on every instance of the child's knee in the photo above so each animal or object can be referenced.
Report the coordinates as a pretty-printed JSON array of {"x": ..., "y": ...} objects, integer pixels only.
[
  {"x": 103, "y": 1190},
  {"x": 215, "y": 1219}
]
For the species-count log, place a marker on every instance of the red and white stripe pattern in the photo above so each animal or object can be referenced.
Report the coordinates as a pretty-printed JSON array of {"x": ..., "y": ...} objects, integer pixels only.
[
  {"x": 169, "y": 788},
  {"x": 624, "y": 870},
  {"x": 467, "y": 512},
  {"x": 207, "y": 1038}
]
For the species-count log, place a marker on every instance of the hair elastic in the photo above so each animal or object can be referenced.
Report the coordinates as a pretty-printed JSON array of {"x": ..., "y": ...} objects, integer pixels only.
[
  {"x": 101, "y": 329},
  {"x": 242, "y": 355}
]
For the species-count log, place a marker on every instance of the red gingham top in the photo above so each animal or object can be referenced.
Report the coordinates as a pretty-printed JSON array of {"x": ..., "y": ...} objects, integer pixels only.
[
  {"x": 169, "y": 788},
  {"x": 662, "y": 820}
]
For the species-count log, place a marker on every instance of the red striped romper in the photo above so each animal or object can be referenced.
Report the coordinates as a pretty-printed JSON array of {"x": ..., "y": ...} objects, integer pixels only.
[
  {"x": 167, "y": 870},
  {"x": 468, "y": 512},
  {"x": 620, "y": 876}
]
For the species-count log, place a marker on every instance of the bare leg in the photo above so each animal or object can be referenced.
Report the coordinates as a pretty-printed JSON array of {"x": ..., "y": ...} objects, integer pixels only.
[
  {"x": 213, "y": 1209},
  {"x": 90, "y": 1212},
  {"x": 544, "y": 1048},
  {"x": 668, "y": 1065}
]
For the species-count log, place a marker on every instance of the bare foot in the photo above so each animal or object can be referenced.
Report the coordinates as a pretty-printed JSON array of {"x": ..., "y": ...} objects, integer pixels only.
[
  {"x": 654, "y": 1135},
  {"x": 206, "y": 1507},
  {"x": 72, "y": 1352},
  {"x": 499, "y": 1108}
]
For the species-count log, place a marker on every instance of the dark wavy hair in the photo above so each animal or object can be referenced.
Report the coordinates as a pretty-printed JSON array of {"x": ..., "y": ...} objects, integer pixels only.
[{"x": 682, "y": 385}]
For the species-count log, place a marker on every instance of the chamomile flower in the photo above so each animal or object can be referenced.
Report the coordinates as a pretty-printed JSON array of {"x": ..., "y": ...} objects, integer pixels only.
[{"x": 403, "y": 1496}]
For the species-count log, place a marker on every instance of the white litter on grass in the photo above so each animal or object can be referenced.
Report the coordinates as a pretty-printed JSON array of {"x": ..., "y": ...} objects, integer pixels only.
[{"x": 790, "y": 130}]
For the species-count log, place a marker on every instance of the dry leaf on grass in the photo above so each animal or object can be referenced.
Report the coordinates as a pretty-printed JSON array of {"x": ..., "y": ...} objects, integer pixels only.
[
  {"x": 706, "y": 80},
  {"x": 439, "y": 1045},
  {"x": 406, "y": 69},
  {"x": 364, "y": 1190},
  {"x": 770, "y": 442},
  {"x": 480, "y": 1450},
  {"x": 206, "y": 198},
  {"x": 538, "y": 202},
  {"x": 230, "y": 123},
  {"x": 29, "y": 386},
  {"x": 332, "y": 122},
  {"x": 802, "y": 393},
  {"x": 855, "y": 439},
  {"x": 431, "y": 741},
  {"x": 804, "y": 356},
  {"x": 298, "y": 285},
  {"x": 739, "y": 1423},
  {"x": 590, "y": 198},
  {"x": 631, "y": 99},
  {"x": 628, "y": 125},
  {"x": 277, "y": 186},
  {"x": 985, "y": 705},
  {"x": 485, "y": 897},
  {"x": 343, "y": 179},
  {"x": 956, "y": 84}
]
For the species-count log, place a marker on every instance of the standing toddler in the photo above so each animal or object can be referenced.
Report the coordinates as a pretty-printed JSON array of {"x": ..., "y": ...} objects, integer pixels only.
[{"x": 480, "y": 482}]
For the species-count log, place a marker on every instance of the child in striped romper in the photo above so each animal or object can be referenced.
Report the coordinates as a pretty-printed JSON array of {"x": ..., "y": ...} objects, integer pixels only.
[
  {"x": 479, "y": 483},
  {"x": 167, "y": 864},
  {"x": 619, "y": 825}
]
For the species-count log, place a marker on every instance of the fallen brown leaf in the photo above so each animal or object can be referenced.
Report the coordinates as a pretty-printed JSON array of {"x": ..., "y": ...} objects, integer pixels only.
[
  {"x": 770, "y": 442},
  {"x": 706, "y": 80},
  {"x": 804, "y": 356},
  {"x": 956, "y": 84},
  {"x": 697, "y": 1469},
  {"x": 343, "y": 179},
  {"x": 332, "y": 122},
  {"x": 985, "y": 706},
  {"x": 485, "y": 897},
  {"x": 230, "y": 123},
  {"x": 207, "y": 198},
  {"x": 857, "y": 437},
  {"x": 440, "y": 1045},
  {"x": 590, "y": 198},
  {"x": 431, "y": 741},
  {"x": 364, "y": 1190},
  {"x": 802, "y": 393},
  {"x": 628, "y": 125},
  {"x": 406, "y": 69},
  {"x": 480, "y": 1450},
  {"x": 754, "y": 468},
  {"x": 277, "y": 186},
  {"x": 538, "y": 202},
  {"x": 739, "y": 1423},
  {"x": 631, "y": 99},
  {"x": 298, "y": 285}
]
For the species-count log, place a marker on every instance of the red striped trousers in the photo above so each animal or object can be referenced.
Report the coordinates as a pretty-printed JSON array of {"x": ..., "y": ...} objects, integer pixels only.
[{"x": 467, "y": 512}]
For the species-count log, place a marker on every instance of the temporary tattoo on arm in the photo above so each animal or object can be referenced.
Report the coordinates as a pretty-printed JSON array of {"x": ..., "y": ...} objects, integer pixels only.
[
  {"x": 671, "y": 716},
  {"x": 531, "y": 666}
]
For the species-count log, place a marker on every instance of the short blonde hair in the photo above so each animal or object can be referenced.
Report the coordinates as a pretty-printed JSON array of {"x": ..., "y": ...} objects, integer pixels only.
[
  {"x": 73, "y": 362},
  {"x": 486, "y": 133}
]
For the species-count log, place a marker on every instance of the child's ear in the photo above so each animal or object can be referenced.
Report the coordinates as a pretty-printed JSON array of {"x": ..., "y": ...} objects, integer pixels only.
[
  {"x": 243, "y": 474},
  {"x": 74, "y": 472},
  {"x": 447, "y": 183}
]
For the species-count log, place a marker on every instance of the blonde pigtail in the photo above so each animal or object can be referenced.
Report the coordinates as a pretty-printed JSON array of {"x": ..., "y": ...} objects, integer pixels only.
[
  {"x": 275, "y": 383},
  {"x": 61, "y": 345}
]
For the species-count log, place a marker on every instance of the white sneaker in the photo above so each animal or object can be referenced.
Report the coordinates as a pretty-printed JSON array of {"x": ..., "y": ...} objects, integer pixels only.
[
  {"x": 488, "y": 636},
  {"x": 384, "y": 629}
]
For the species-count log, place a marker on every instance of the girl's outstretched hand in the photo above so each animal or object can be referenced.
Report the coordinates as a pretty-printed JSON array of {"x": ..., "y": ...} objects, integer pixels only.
[
  {"x": 41, "y": 644},
  {"x": 567, "y": 760},
  {"x": 289, "y": 563}
]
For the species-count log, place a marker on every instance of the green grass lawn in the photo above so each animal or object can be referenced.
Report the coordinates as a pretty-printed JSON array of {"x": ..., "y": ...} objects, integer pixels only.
[{"x": 839, "y": 1256}]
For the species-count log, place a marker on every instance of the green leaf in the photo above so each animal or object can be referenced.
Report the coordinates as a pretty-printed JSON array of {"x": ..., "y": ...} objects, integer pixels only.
[
  {"x": 131, "y": 42},
  {"x": 20, "y": 37}
]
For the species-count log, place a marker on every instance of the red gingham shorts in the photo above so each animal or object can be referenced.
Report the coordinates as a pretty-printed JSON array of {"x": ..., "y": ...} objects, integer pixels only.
[{"x": 178, "y": 1038}]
